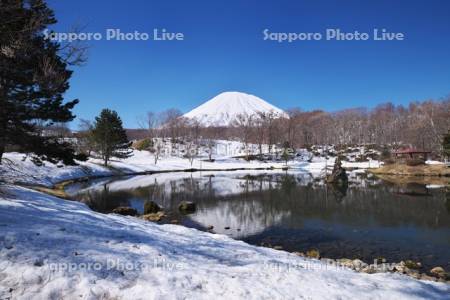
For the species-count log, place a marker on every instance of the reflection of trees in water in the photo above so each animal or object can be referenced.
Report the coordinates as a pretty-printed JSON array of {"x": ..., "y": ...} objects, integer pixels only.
[
  {"x": 447, "y": 196},
  {"x": 288, "y": 184},
  {"x": 361, "y": 206},
  {"x": 291, "y": 208},
  {"x": 247, "y": 208},
  {"x": 154, "y": 192},
  {"x": 339, "y": 191},
  {"x": 384, "y": 205},
  {"x": 103, "y": 200},
  {"x": 265, "y": 198}
]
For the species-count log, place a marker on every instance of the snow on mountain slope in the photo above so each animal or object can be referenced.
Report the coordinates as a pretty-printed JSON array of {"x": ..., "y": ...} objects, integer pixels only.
[{"x": 223, "y": 109}]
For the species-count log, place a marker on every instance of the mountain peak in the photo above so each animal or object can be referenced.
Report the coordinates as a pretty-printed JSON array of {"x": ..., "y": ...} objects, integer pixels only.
[{"x": 223, "y": 109}]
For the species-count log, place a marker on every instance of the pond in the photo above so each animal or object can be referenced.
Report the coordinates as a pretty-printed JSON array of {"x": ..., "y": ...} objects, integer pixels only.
[{"x": 371, "y": 219}]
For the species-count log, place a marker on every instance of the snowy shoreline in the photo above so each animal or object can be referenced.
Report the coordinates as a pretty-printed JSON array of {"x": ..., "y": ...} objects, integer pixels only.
[
  {"x": 16, "y": 168},
  {"x": 52, "y": 248}
]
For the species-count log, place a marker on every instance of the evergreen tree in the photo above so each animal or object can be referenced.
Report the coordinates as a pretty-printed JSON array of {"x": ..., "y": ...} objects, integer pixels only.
[
  {"x": 446, "y": 144},
  {"x": 33, "y": 79},
  {"x": 110, "y": 137},
  {"x": 288, "y": 152}
]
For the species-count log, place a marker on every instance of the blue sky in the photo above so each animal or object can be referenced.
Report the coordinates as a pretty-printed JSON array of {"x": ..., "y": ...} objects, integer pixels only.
[{"x": 224, "y": 50}]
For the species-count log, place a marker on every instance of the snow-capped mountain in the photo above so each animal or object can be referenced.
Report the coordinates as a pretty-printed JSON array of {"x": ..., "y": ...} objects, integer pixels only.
[{"x": 223, "y": 109}]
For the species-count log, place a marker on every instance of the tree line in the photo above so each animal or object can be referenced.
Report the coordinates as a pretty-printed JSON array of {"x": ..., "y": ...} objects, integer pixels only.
[
  {"x": 35, "y": 74},
  {"x": 421, "y": 125}
]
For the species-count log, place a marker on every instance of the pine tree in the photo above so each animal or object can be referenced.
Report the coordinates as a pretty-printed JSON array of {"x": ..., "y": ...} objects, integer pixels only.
[
  {"x": 287, "y": 152},
  {"x": 446, "y": 144},
  {"x": 110, "y": 137},
  {"x": 33, "y": 78}
]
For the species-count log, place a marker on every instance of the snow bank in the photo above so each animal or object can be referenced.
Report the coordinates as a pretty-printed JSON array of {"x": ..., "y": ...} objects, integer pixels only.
[
  {"x": 435, "y": 186},
  {"x": 370, "y": 164},
  {"x": 17, "y": 168},
  {"x": 56, "y": 249}
]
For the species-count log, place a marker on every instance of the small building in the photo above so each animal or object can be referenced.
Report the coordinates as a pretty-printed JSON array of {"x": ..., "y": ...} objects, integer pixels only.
[{"x": 410, "y": 153}]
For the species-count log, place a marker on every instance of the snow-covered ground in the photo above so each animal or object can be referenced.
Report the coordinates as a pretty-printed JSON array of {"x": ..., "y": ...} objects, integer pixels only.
[
  {"x": 57, "y": 249},
  {"x": 434, "y": 162},
  {"x": 16, "y": 169},
  {"x": 19, "y": 169}
]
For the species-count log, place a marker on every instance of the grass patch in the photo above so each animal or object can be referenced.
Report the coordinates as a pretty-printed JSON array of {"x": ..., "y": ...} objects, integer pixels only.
[
  {"x": 420, "y": 170},
  {"x": 58, "y": 190}
]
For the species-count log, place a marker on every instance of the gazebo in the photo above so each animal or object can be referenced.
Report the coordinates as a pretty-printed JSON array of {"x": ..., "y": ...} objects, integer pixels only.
[{"x": 411, "y": 153}]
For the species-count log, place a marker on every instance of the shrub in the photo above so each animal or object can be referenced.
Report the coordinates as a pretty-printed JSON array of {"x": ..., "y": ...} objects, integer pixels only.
[
  {"x": 386, "y": 153},
  {"x": 415, "y": 162},
  {"x": 125, "y": 211},
  {"x": 389, "y": 161},
  {"x": 187, "y": 207},
  {"x": 81, "y": 157},
  {"x": 372, "y": 147},
  {"x": 151, "y": 207},
  {"x": 144, "y": 144},
  {"x": 413, "y": 265},
  {"x": 313, "y": 253},
  {"x": 446, "y": 144},
  {"x": 362, "y": 158}
]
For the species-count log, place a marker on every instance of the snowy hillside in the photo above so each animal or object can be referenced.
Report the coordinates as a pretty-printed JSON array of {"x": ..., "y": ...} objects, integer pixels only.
[{"x": 223, "y": 109}]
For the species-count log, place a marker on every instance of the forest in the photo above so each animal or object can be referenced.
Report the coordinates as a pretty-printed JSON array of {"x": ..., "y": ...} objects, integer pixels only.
[{"x": 420, "y": 125}]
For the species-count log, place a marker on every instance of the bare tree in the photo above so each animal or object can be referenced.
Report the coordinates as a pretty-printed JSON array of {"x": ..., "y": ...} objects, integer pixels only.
[
  {"x": 157, "y": 149},
  {"x": 173, "y": 123},
  {"x": 244, "y": 124},
  {"x": 211, "y": 144},
  {"x": 150, "y": 122},
  {"x": 260, "y": 131},
  {"x": 272, "y": 130},
  {"x": 85, "y": 138},
  {"x": 191, "y": 151}
]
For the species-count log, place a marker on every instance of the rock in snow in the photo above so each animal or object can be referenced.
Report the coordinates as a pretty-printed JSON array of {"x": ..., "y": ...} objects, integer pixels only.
[
  {"x": 56, "y": 249},
  {"x": 223, "y": 109}
]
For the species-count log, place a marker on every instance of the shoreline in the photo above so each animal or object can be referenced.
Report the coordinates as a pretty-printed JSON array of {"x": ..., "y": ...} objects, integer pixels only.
[
  {"x": 396, "y": 169},
  {"x": 406, "y": 267},
  {"x": 355, "y": 264},
  {"x": 69, "y": 233},
  {"x": 57, "y": 189}
]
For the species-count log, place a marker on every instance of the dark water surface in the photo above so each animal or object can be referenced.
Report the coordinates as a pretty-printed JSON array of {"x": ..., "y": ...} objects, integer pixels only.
[{"x": 371, "y": 219}]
